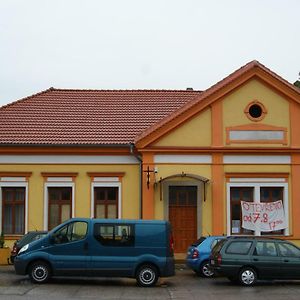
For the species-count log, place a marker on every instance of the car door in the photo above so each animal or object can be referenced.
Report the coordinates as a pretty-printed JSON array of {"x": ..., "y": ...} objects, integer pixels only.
[
  {"x": 112, "y": 249},
  {"x": 266, "y": 260},
  {"x": 68, "y": 251},
  {"x": 290, "y": 260}
]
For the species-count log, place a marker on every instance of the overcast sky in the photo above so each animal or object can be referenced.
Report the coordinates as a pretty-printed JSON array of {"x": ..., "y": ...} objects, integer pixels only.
[{"x": 139, "y": 44}]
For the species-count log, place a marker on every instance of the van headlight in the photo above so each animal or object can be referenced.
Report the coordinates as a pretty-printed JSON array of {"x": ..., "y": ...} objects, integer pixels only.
[{"x": 24, "y": 248}]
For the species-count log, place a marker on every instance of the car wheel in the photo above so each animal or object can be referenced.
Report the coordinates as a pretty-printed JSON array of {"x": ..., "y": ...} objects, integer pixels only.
[
  {"x": 147, "y": 275},
  {"x": 39, "y": 272},
  {"x": 247, "y": 276},
  {"x": 205, "y": 270}
]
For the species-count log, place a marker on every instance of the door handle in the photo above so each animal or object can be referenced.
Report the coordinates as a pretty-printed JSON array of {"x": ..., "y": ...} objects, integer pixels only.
[
  {"x": 255, "y": 259},
  {"x": 286, "y": 260}
]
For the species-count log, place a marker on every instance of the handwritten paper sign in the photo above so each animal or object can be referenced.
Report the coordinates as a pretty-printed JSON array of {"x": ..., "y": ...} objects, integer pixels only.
[{"x": 267, "y": 216}]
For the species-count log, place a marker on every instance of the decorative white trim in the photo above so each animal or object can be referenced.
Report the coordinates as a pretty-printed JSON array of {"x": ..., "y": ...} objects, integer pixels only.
[
  {"x": 106, "y": 184},
  {"x": 257, "y": 159},
  {"x": 15, "y": 184},
  {"x": 256, "y": 195},
  {"x": 256, "y": 135},
  {"x": 13, "y": 179},
  {"x": 257, "y": 180},
  {"x": 106, "y": 179},
  {"x": 59, "y": 179},
  {"x": 46, "y": 200},
  {"x": 68, "y": 159},
  {"x": 192, "y": 159}
]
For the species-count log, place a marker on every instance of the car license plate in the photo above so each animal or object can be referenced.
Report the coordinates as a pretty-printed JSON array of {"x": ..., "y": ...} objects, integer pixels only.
[{"x": 212, "y": 262}]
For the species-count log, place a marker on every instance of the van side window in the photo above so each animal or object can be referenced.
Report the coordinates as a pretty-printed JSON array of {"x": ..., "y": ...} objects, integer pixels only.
[
  {"x": 70, "y": 233},
  {"x": 114, "y": 235}
]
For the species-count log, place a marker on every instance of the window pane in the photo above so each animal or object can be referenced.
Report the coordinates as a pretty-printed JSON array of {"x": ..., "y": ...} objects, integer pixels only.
[
  {"x": 7, "y": 222},
  {"x": 79, "y": 231},
  {"x": 265, "y": 249},
  {"x": 53, "y": 194},
  {"x": 111, "y": 211},
  {"x": 288, "y": 250},
  {"x": 112, "y": 194},
  {"x": 66, "y": 194},
  {"x": 65, "y": 212},
  {"x": 20, "y": 195},
  {"x": 54, "y": 216},
  {"x": 238, "y": 194},
  {"x": 100, "y": 194},
  {"x": 8, "y": 195},
  {"x": 19, "y": 219},
  {"x": 239, "y": 247},
  {"x": 100, "y": 211},
  {"x": 235, "y": 194}
]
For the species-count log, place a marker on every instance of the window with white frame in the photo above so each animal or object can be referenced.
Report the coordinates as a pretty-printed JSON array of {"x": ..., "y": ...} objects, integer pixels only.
[
  {"x": 106, "y": 197},
  {"x": 13, "y": 210},
  {"x": 254, "y": 192},
  {"x": 14, "y": 203},
  {"x": 59, "y": 201}
]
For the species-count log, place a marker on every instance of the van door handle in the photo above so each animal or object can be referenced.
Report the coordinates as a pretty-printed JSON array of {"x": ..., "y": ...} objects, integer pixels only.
[
  {"x": 255, "y": 259},
  {"x": 286, "y": 260},
  {"x": 86, "y": 246}
]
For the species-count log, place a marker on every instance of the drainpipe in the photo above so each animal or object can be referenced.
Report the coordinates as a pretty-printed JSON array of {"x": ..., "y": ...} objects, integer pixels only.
[{"x": 132, "y": 152}]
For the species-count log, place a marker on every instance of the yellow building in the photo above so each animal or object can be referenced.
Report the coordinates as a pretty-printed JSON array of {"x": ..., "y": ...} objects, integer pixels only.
[{"x": 190, "y": 157}]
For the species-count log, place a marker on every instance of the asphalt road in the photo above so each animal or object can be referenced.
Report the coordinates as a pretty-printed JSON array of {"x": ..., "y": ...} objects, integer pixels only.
[{"x": 185, "y": 285}]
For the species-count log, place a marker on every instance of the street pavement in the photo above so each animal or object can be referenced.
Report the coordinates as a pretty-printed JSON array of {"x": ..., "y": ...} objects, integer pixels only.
[{"x": 185, "y": 285}]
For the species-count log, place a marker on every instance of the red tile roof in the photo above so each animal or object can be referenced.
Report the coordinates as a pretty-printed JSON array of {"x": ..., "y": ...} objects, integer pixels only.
[{"x": 87, "y": 117}]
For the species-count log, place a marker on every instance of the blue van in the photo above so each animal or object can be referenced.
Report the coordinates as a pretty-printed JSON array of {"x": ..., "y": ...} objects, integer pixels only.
[{"x": 101, "y": 247}]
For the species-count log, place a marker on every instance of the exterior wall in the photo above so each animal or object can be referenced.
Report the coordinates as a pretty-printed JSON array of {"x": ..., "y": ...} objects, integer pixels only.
[
  {"x": 200, "y": 146},
  {"x": 196, "y": 131},
  {"x": 278, "y": 110},
  {"x": 130, "y": 195}
]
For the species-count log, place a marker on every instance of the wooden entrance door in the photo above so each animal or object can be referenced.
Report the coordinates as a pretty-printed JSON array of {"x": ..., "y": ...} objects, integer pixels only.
[{"x": 183, "y": 216}]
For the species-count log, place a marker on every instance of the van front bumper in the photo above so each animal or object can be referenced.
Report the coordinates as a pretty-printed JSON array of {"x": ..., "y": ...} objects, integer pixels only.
[{"x": 20, "y": 265}]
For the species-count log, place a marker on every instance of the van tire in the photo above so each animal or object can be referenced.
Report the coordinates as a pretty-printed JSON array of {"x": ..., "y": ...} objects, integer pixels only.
[
  {"x": 147, "y": 275},
  {"x": 39, "y": 272}
]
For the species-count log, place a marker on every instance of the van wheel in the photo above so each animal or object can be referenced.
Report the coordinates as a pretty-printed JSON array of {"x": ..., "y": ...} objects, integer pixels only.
[
  {"x": 147, "y": 276},
  {"x": 247, "y": 276},
  {"x": 205, "y": 270},
  {"x": 39, "y": 272}
]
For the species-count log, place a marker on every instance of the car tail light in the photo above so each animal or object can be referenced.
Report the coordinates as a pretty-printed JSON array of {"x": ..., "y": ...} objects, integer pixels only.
[
  {"x": 219, "y": 259},
  {"x": 14, "y": 249},
  {"x": 195, "y": 253},
  {"x": 171, "y": 241}
]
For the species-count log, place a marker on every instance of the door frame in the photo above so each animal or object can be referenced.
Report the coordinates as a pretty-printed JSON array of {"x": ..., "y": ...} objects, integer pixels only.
[{"x": 199, "y": 186}]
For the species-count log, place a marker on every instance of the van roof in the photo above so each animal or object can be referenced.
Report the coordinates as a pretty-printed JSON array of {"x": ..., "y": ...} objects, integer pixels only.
[{"x": 121, "y": 221}]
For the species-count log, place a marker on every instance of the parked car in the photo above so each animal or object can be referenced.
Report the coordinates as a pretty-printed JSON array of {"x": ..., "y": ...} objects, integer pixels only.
[
  {"x": 198, "y": 255},
  {"x": 247, "y": 259},
  {"x": 101, "y": 247},
  {"x": 26, "y": 239}
]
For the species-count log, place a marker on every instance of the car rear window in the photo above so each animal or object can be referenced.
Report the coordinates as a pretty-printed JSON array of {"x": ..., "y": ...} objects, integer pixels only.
[
  {"x": 218, "y": 246},
  {"x": 239, "y": 247},
  {"x": 199, "y": 241}
]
